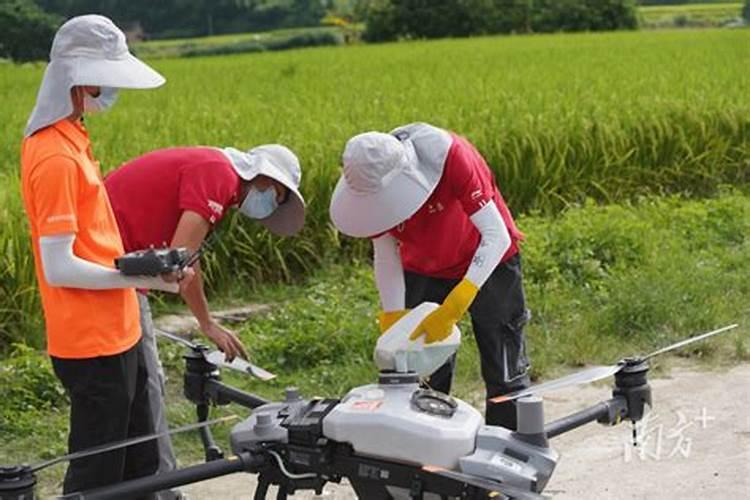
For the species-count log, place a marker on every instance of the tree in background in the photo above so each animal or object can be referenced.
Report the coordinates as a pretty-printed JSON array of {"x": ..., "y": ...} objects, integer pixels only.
[
  {"x": 26, "y": 31},
  {"x": 677, "y": 2},
  {"x": 382, "y": 21},
  {"x": 392, "y": 19},
  {"x": 584, "y": 15},
  {"x": 188, "y": 18},
  {"x": 746, "y": 11}
]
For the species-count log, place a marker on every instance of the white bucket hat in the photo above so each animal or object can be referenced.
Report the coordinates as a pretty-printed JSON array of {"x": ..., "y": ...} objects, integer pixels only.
[
  {"x": 87, "y": 50},
  {"x": 279, "y": 163},
  {"x": 387, "y": 178}
]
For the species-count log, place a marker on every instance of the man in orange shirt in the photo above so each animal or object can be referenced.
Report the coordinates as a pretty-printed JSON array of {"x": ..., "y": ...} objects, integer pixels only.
[{"x": 90, "y": 309}]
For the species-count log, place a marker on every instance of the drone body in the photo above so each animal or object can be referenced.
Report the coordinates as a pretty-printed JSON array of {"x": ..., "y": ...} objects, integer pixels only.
[
  {"x": 391, "y": 440},
  {"x": 394, "y": 423}
]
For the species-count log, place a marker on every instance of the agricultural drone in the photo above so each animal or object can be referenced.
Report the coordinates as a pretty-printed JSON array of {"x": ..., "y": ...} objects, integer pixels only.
[{"x": 391, "y": 440}]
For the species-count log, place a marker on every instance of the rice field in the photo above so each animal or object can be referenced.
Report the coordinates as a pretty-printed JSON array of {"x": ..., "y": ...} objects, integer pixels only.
[
  {"x": 695, "y": 14},
  {"x": 561, "y": 118},
  {"x": 178, "y": 47}
]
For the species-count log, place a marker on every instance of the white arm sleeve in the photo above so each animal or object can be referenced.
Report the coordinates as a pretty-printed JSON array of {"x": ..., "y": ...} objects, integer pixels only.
[
  {"x": 62, "y": 268},
  {"x": 493, "y": 245},
  {"x": 389, "y": 273}
]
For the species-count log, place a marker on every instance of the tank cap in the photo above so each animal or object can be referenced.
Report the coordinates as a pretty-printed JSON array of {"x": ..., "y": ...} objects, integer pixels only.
[
  {"x": 396, "y": 378},
  {"x": 434, "y": 403}
]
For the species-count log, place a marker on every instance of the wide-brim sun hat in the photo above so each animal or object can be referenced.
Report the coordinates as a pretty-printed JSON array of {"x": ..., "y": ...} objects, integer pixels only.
[
  {"x": 87, "y": 50},
  {"x": 387, "y": 178},
  {"x": 281, "y": 164}
]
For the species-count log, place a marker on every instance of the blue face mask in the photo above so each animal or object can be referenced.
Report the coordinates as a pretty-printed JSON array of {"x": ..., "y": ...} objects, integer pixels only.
[
  {"x": 105, "y": 100},
  {"x": 259, "y": 204}
]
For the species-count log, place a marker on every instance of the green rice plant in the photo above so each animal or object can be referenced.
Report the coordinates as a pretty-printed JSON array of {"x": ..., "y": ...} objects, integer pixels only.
[
  {"x": 20, "y": 307},
  {"x": 561, "y": 119}
]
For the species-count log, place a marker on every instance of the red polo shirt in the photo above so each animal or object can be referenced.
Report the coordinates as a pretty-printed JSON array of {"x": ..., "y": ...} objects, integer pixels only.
[
  {"x": 149, "y": 193},
  {"x": 440, "y": 240}
]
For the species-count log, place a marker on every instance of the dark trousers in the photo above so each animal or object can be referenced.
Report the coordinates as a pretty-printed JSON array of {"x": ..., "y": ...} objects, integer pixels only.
[
  {"x": 498, "y": 315},
  {"x": 108, "y": 403}
]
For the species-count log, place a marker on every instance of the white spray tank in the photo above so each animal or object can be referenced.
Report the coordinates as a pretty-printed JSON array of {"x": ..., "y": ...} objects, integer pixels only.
[{"x": 402, "y": 421}]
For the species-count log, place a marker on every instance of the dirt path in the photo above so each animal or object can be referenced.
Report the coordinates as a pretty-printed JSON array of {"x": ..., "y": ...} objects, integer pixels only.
[{"x": 696, "y": 445}]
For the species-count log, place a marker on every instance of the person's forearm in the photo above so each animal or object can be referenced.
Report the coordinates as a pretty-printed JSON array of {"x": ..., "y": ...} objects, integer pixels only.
[
  {"x": 190, "y": 233},
  {"x": 493, "y": 245},
  {"x": 195, "y": 298},
  {"x": 62, "y": 268},
  {"x": 389, "y": 273}
]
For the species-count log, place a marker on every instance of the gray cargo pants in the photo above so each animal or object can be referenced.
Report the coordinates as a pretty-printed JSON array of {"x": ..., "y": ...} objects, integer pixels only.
[{"x": 155, "y": 389}]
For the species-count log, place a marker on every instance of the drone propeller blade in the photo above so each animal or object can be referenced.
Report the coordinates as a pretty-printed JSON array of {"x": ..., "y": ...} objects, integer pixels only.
[
  {"x": 128, "y": 442},
  {"x": 218, "y": 358},
  {"x": 485, "y": 484},
  {"x": 582, "y": 377},
  {"x": 175, "y": 338},
  {"x": 599, "y": 372},
  {"x": 685, "y": 342}
]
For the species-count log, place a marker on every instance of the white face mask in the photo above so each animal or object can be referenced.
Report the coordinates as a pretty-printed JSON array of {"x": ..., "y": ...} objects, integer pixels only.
[
  {"x": 259, "y": 204},
  {"x": 105, "y": 100}
]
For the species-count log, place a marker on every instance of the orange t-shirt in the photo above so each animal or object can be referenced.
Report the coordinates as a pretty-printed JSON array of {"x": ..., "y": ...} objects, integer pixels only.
[{"x": 63, "y": 193}]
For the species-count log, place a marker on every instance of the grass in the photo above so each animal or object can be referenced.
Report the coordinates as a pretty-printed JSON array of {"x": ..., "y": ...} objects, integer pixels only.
[
  {"x": 561, "y": 118},
  {"x": 694, "y": 14},
  {"x": 178, "y": 47},
  {"x": 602, "y": 282}
]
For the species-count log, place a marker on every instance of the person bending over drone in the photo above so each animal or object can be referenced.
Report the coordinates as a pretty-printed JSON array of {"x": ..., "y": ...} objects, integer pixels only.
[
  {"x": 90, "y": 309},
  {"x": 441, "y": 232},
  {"x": 174, "y": 197}
]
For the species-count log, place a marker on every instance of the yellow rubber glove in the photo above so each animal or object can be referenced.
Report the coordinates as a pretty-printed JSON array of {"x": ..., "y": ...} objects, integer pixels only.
[
  {"x": 388, "y": 318},
  {"x": 439, "y": 323}
]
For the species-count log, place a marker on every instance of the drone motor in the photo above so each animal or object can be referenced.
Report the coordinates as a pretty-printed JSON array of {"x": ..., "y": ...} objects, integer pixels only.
[{"x": 17, "y": 483}]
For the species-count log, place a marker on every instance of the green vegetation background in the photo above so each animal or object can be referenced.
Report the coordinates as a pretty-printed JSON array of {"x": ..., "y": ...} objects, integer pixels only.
[
  {"x": 625, "y": 155},
  {"x": 560, "y": 119},
  {"x": 602, "y": 283}
]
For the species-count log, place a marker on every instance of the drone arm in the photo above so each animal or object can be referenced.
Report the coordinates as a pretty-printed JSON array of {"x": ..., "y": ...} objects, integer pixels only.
[
  {"x": 244, "y": 462},
  {"x": 223, "y": 394},
  {"x": 609, "y": 412}
]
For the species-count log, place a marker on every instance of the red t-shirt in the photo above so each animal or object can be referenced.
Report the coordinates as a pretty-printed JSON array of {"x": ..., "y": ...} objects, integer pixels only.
[
  {"x": 440, "y": 240},
  {"x": 149, "y": 194}
]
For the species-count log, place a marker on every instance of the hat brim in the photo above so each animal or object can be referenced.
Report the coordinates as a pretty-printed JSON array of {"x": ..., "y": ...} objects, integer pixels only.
[
  {"x": 53, "y": 100},
  {"x": 367, "y": 215},
  {"x": 363, "y": 215},
  {"x": 289, "y": 217},
  {"x": 126, "y": 73}
]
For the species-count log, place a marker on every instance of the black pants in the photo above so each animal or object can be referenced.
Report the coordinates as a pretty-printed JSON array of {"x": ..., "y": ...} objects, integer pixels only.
[
  {"x": 108, "y": 403},
  {"x": 498, "y": 315}
]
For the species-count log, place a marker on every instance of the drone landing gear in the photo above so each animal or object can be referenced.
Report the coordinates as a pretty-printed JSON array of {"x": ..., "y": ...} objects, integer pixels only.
[
  {"x": 203, "y": 387},
  {"x": 212, "y": 450}
]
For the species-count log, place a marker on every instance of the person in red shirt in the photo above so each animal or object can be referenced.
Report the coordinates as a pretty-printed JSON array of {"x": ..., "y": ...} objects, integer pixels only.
[
  {"x": 442, "y": 233},
  {"x": 174, "y": 197}
]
